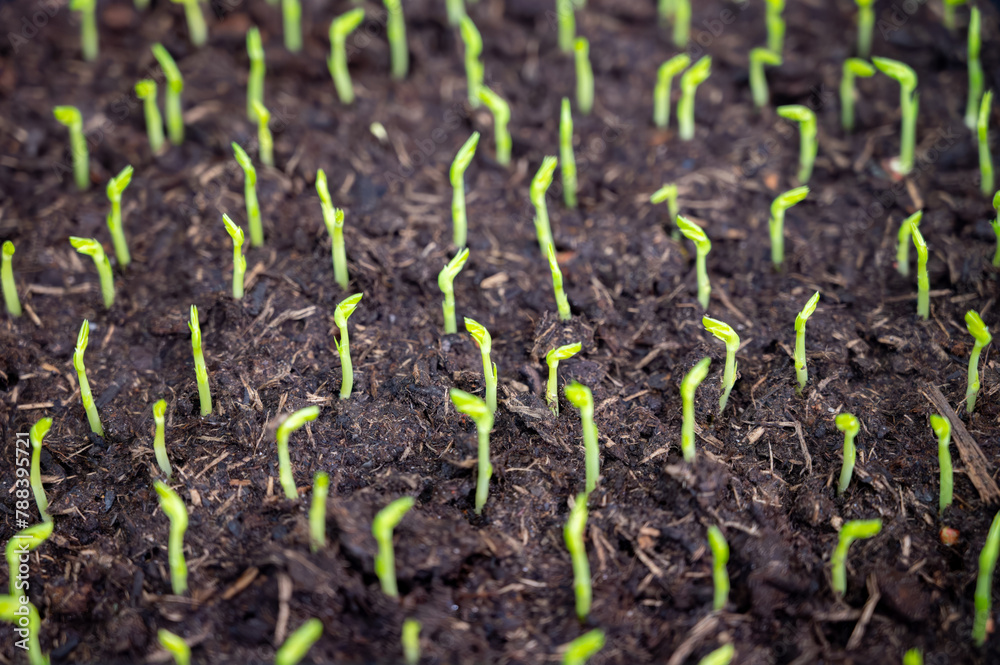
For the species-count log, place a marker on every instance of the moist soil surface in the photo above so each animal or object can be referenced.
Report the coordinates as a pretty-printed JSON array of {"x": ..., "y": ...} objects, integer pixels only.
[{"x": 497, "y": 587}]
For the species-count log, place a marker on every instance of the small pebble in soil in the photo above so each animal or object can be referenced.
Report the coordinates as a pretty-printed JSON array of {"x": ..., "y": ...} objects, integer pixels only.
[{"x": 949, "y": 536}]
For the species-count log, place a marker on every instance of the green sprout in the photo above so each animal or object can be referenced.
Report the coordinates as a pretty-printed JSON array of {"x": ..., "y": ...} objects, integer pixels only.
[
  {"x": 239, "y": 261},
  {"x": 285, "y": 429},
  {"x": 849, "y": 425},
  {"x": 720, "y": 576},
  {"x": 485, "y": 343},
  {"x": 584, "y": 75},
  {"x": 479, "y": 411},
  {"x": 661, "y": 91},
  {"x": 682, "y": 23},
  {"x": 291, "y": 19},
  {"x": 975, "y": 69},
  {"x": 396, "y": 31},
  {"x": 340, "y": 28},
  {"x": 923, "y": 280},
  {"x": 343, "y": 312},
  {"x": 903, "y": 242},
  {"x": 457, "y": 177},
  {"x": 807, "y": 141},
  {"x": 853, "y": 68},
  {"x": 983, "y": 133},
  {"x": 116, "y": 186},
  {"x": 473, "y": 64},
  {"x": 10, "y": 299},
  {"x": 175, "y": 510},
  {"x": 573, "y": 532},
  {"x": 382, "y": 526},
  {"x": 175, "y": 645},
  {"x": 913, "y": 657},
  {"x": 255, "y": 82},
  {"x": 172, "y": 101},
  {"x": 801, "y": 369},
  {"x": 81, "y": 374},
  {"x": 909, "y": 103},
  {"x": 264, "y": 138},
  {"x": 20, "y": 544},
  {"x": 539, "y": 186},
  {"x": 942, "y": 430},
  {"x": 721, "y": 656},
  {"x": 70, "y": 116},
  {"x": 36, "y": 436},
  {"x": 667, "y": 193},
  {"x": 159, "y": 438},
  {"x": 866, "y": 24},
  {"x": 948, "y": 16},
  {"x": 566, "y": 17},
  {"x": 200, "y": 372},
  {"x": 725, "y": 332},
  {"x": 690, "y": 80},
  {"x": 776, "y": 224},
  {"x": 94, "y": 250},
  {"x": 776, "y": 25},
  {"x": 299, "y": 642},
  {"x": 446, "y": 282},
  {"x": 410, "y": 640},
  {"x": 456, "y": 10},
  {"x": 759, "y": 57},
  {"x": 88, "y": 27},
  {"x": 566, "y": 157},
  {"x": 552, "y": 359},
  {"x": 317, "y": 511},
  {"x": 501, "y": 116},
  {"x": 333, "y": 218},
  {"x": 995, "y": 223},
  {"x": 250, "y": 195},
  {"x": 851, "y": 531},
  {"x": 582, "y": 398},
  {"x": 562, "y": 303},
  {"x": 579, "y": 651},
  {"x": 979, "y": 331},
  {"x": 197, "y": 29},
  {"x": 702, "y": 246},
  {"x": 378, "y": 131},
  {"x": 689, "y": 385},
  {"x": 984, "y": 582},
  {"x": 666, "y": 9},
  {"x": 146, "y": 91},
  {"x": 12, "y": 610}
]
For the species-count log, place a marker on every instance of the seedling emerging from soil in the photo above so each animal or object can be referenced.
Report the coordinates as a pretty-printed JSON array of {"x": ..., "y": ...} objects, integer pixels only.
[
  {"x": 759, "y": 57},
  {"x": 10, "y": 299},
  {"x": 385, "y": 562},
  {"x": 200, "y": 372},
  {"x": 172, "y": 99},
  {"x": 501, "y": 116},
  {"x": 807, "y": 140},
  {"x": 923, "y": 280},
  {"x": 485, "y": 343},
  {"x": 582, "y": 398},
  {"x": 291, "y": 18},
  {"x": 661, "y": 92},
  {"x": 853, "y": 68},
  {"x": 702, "y": 246},
  {"x": 573, "y": 533},
  {"x": 81, "y": 374},
  {"x": 851, "y": 531},
  {"x": 579, "y": 651},
  {"x": 94, "y": 250},
  {"x": 146, "y": 91},
  {"x": 473, "y": 65},
  {"x": 539, "y": 186},
  {"x": 175, "y": 646},
  {"x": 566, "y": 157},
  {"x": 340, "y": 316},
  {"x": 456, "y": 10},
  {"x": 37, "y": 435},
  {"x": 250, "y": 195},
  {"x": 689, "y": 385},
  {"x": 410, "y": 640},
  {"x": 724, "y": 332},
  {"x": 552, "y": 359},
  {"x": 913, "y": 657},
  {"x": 975, "y": 69},
  {"x": 866, "y": 24},
  {"x": 264, "y": 138},
  {"x": 776, "y": 25},
  {"x": 566, "y": 18},
  {"x": 12, "y": 611},
  {"x": 317, "y": 511},
  {"x": 116, "y": 186},
  {"x": 446, "y": 282},
  {"x": 776, "y": 224},
  {"x": 396, "y": 31},
  {"x": 175, "y": 510},
  {"x": 721, "y": 656},
  {"x": 682, "y": 23},
  {"x": 159, "y": 438},
  {"x": 903, "y": 242},
  {"x": 285, "y": 429},
  {"x": 584, "y": 76},
  {"x": 255, "y": 82},
  {"x": 22, "y": 542},
  {"x": 457, "y": 176},
  {"x": 995, "y": 223},
  {"x": 942, "y": 430},
  {"x": 984, "y": 582},
  {"x": 909, "y": 104},
  {"x": 983, "y": 132},
  {"x": 480, "y": 413},
  {"x": 197, "y": 30},
  {"x": 239, "y": 261},
  {"x": 690, "y": 81},
  {"x": 667, "y": 193},
  {"x": 340, "y": 28},
  {"x": 88, "y": 27},
  {"x": 849, "y": 425},
  {"x": 801, "y": 369},
  {"x": 720, "y": 557},
  {"x": 70, "y": 116},
  {"x": 562, "y": 303},
  {"x": 298, "y": 643},
  {"x": 979, "y": 331}
]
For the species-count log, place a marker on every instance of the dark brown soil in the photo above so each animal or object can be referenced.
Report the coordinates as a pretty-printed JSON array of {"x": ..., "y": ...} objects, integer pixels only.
[{"x": 497, "y": 588}]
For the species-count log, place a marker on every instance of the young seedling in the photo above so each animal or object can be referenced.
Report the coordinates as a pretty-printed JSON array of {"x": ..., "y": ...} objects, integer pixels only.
[
  {"x": 446, "y": 282},
  {"x": 903, "y": 242},
  {"x": 264, "y": 137},
  {"x": 172, "y": 100},
  {"x": 566, "y": 19},
  {"x": 485, "y": 343},
  {"x": 197, "y": 30},
  {"x": 250, "y": 195},
  {"x": 116, "y": 187},
  {"x": 36, "y": 436},
  {"x": 579, "y": 651},
  {"x": 410, "y": 641},
  {"x": 849, "y": 425},
  {"x": 24, "y": 615},
  {"x": 759, "y": 58},
  {"x": 942, "y": 430},
  {"x": 689, "y": 385},
  {"x": 396, "y": 31},
  {"x": 584, "y": 75},
  {"x": 866, "y": 25},
  {"x": 340, "y": 28},
  {"x": 175, "y": 510},
  {"x": 175, "y": 646},
  {"x": 10, "y": 299},
  {"x": 913, "y": 657},
  {"x": 94, "y": 250},
  {"x": 851, "y": 531},
  {"x": 146, "y": 91},
  {"x": 473, "y": 64},
  {"x": 776, "y": 25},
  {"x": 457, "y": 177},
  {"x": 480, "y": 413},
  {"x": 923, "y": 280},
  {"x": 801, "y": 369},
  {"x": 807, "y": 140},
  {"x": 539, "y": 186},
  {"x": 70, "y": 116},
  {"x": 983, "y": 133},
  {"x": 340, "y": 316},
  {"x": 456, "y": 10},
  {"x": 239, "y": 261},
  {"x": 702, "y": 246},
  {"x": 909, "y": 104},
  {"x": 81, "y": 374},
  {"x": 666, "y": 10},
  {"x": 20, "y": 544},
  {"x": 661, "y": 92},
  {"x": 724, "y": 332},
  {"x": 667, "y": 193},
  {"x": 562, "y": 303},
  {"x": 972, "y": 105},
  {"x": 385, "y": 562},
  {"x": 682, "y": 23},
  {"x": 299, "y": 642},
  {"x": 291, "y": 18},
  {"x": 690, "y": 80},
  {"x": 317, "y": 511},
  {"x": 552, "y": 359},
  {"x": 293, "y": 422},
  {"x": 88, "y": 27},
  {"x": 853, "y": 68},
  {"x": 995, "y": 223},
  {"x": 721, "y": 656},
  {"x": 255, "y": 82},
  {"x": 720, "y": 576},
  {"x": 501, "y": 116},
  {"x": 776, "y": 224},
  {"x": 582, "y": 398},
  {"x": 948, "y": 15},
  {"x": 573, "y": 533},
  {"x": 984, "y": 582},
  {"x": 200, "y": 371},
  {"x": 567, "y": 159},
  {"x": 979, "y": 331},
  {"x": 159, "y": 438}
]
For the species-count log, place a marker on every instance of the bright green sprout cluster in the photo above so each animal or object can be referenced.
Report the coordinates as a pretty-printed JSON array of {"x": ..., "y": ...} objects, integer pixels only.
[
  {"x": 851, "y": 531},
  {"x": 690, "y": 81},
  {"x": 759, "y": 58},
  {"x": 801, "y": 369},
  {"x": 975, "y": 69},
  {"x": 726, "y": 333},
  {"x": 255, "y": 81},
  {"x": 385, "y": 562},
  {"x": 88, "y": 27},
  {"x": 291, "y": 19},
  {"x": 552, "y": 359},
  {"x": 573, "y": 533},
  {"x": 720, "y": 576},
  {"x": 661, "y": 91},
  {"x": 984, "y": 582},
  {"x": 923, "y": 280},
  {"x": 159, "y": 438},
  {"x": 983, "y": 134},
  {"x": 566, "y": 23},
  {"x": 116, "y": 187},
  {"x": 197, "y": 29},
  {"x": 942, "y": 430},
  {"x": 479, "y": 411},
  {"x": 579, "y": 651},
  {"x": 485, "y": 342},
  {"x": 667, "y": 193},
  {"x": 948, "y": 16},
  {"x": 333, "y": 219},
  {"x": 582, "y": 398},
  {"x": 776, "y": 25},
  {"x": 36, "y": 436},
  {"x": 981, "y": 333},
  {"x": 584, "y": 75},
  {"x": 849, "y": 425},
  {"x": 702, "y": 246},
  {"x": 175, "y": 510},
  {"x": 343, "y": 312},
  {"x": 410, "y": 641},
  {"x": 250, "y": 195},
  {"x": 200, "y": 371},
  {"x": 539, "y": 186},
  {"x": 293, "y": 422},
  {"x": 12, "y": 611},
  {"x": 457, "y": 177},
  {"x": 853, "y": 68},
  {"x": 913, "y": 657},
  {"x": 501, "y": 116},
  {"x": 446, "y": 282},
  {"x": 995, "y": 223},
  {"x": 340, "y": 28},
  {"x": 317, "y": 511},
  {"x": 172, "y": 101},
  {"x": 175, "y": 646},
  {"x": 396, "y": 31},
  {"x": 299, "y": 642},
  {"x": 239, "y": 261},
  {"x": 721, "y": 656},
  {"x": 81, "y": 374},
  {"x": 456, "y": 10},
  {"x": 474, "y": 69},
  {"x": 22, "y": 542},
  {"x": 562, "y": 303},
  {"x": 94, "y": 250},
  {"x": 146, "y": 91},
  {"x": 264, "y": 138},
  {"x": 567, "y": 159},
  {"x": 10, "y": 299},
  {"x": 866, "y": 25},
  {"x": 903, "y": 242},
  {"x": 909, "y": 103},
  {"x": 808, "y": 145},
  {"x": 689, "y": 385},
  {"x": 71, "y": 117},
  {"x": 776, "y": 225}
]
